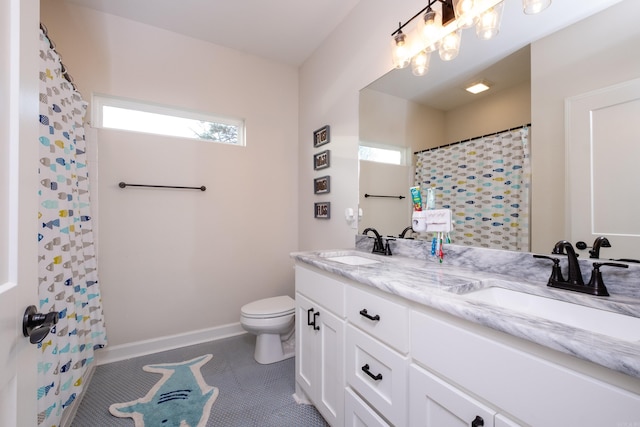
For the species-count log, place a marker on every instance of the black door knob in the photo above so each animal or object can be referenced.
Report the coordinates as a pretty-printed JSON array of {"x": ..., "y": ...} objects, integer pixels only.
[{"x": 36, "y": 325}]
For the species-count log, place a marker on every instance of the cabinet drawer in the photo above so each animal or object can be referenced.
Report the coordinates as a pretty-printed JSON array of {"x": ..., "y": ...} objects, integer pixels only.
[
  {"x": 357, "y": 413},
  {"x": 383, "y": 319},
  {"x": 322, "y": 289},
  {"x": 378, "y": 374}
]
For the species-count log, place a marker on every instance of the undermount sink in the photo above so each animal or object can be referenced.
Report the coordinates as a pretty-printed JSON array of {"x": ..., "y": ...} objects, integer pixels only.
[
  {"x": 578, "y": 316},
  {"x": 353, "y": 260}
]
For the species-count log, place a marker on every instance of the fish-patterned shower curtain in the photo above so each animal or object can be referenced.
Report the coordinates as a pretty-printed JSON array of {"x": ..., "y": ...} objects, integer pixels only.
[
  {"x": 485, "y": 182},
  {"x": 68, "y": 277}
]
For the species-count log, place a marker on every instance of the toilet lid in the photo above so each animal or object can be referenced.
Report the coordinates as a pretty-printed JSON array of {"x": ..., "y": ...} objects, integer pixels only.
[{"x": 269, "y": 307}]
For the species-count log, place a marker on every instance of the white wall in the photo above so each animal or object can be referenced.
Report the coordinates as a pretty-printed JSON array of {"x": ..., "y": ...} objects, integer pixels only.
[
  {"x": 177, "y": 261},
  {"x": 388, "y": 215},
  {"x": 387, "y": 119}
]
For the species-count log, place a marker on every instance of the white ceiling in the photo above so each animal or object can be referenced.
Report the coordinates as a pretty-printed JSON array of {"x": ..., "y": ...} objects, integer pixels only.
[{"x": 286, "y": 31}]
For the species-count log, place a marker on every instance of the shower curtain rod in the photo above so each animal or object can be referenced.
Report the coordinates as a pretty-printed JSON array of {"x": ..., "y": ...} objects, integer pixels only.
[
  {"x": 472, "y": 139},
  {"x": 124, "y": 184}
]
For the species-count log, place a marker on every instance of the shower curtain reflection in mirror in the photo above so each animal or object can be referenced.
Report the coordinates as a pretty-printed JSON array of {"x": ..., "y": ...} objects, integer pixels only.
[{"x": 485, "y": 182}]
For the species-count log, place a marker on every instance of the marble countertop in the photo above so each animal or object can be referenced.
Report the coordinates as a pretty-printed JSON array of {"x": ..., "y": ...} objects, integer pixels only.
[{"x": 445, "y": 287}]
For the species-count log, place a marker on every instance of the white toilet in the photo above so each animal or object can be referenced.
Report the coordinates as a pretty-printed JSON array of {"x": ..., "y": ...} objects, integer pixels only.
[{"x": 272, "y": 321}]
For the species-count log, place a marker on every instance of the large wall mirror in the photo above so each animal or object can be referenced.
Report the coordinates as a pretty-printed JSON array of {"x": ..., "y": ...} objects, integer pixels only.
[
  {"x": 407, "y": 113},
  {"x": 388, "y": 119}
]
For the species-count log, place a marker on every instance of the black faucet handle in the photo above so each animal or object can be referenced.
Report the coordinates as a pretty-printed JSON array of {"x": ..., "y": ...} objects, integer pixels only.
[
  {"x": 387, "y": 249},
  {"x": 610, "y": 264},
  {"x": 556, "y": 272},
  {"x": 376, "y": 244},
  {"x": 596, "y": 283}
]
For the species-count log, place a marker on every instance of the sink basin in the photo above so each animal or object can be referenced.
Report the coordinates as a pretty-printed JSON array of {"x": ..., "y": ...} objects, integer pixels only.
[
  {"x": 578, "y": 316},
  {"x": 353, "y": 260}
]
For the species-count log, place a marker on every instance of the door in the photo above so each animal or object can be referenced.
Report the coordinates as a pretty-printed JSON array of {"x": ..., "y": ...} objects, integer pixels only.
[
  {"x": 602, "y": 168},
  {"x": 18, "y": 215}
]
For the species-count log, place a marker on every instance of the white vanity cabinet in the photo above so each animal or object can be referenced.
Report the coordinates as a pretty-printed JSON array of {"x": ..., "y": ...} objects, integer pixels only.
[
  {"x": 365, "y": 357},
  {"x": 320, "y": 329},
  {"x": 465, "y": 363}
]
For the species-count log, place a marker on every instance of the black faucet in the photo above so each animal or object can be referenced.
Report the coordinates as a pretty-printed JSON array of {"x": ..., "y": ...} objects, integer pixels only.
[
  {"x": 600, "y": 242},
  {"x": 404, "y": 232},
  {"x": 575, "y": 282},
  {"x": 574, "y": 273},
  {"x": 594, "y": 252},
  {"x": 379, "y": 246}
]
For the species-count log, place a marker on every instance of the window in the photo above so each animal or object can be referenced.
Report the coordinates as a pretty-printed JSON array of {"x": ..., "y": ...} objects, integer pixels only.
[
  {"x": 382, "y": 153},
  {"x": 116, "y": 113}
]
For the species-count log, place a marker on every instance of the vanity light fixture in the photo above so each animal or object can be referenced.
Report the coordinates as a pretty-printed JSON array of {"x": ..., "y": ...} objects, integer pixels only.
[
  {"x": 441, "y": 29},
  {"x": 478, "y": 87}
]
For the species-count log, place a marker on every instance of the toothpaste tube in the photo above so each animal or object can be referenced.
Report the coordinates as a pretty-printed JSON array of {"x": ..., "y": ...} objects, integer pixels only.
[{"x": 416, "y": 195}]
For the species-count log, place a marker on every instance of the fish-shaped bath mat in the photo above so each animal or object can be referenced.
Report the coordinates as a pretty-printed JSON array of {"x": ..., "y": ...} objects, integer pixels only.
[{"x": 180, "y": 398}]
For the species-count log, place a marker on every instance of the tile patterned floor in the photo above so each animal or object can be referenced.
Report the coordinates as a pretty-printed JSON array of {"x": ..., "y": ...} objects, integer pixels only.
[{"x": 250, "y": 394}]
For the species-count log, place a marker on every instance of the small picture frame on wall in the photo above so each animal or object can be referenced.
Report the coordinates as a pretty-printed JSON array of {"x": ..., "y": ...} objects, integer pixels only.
[
  {"x": 322, "y": 185},
  {"x": 322, "y": 210},
  {"x": 321, "y": 160},
  {"x": 321, "y": 136}
]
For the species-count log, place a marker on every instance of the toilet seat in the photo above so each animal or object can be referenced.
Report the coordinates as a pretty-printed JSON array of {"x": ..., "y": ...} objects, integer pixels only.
[{"x": 269, "y": 308}]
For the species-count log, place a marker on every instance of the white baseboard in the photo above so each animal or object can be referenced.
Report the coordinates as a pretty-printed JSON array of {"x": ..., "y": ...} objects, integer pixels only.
[{"x": 115, "y": 353}]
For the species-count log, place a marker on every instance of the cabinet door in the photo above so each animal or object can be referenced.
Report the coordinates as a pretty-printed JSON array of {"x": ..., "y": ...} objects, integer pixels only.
[
  {"x": 306, "y": 347},
  {"x": 359, "y": 414},
  {"x": 502, "y": 421},
  {"x": 330, "y": 364},
  {"x": 320, "y": 358},
  {"x": 435, "y": 403}
]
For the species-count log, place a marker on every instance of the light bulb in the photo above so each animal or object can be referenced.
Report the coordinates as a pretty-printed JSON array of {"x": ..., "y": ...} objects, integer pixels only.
[
  {"x": 464, "y": 13},
  {"x": 488, "y": 25},
  {"x": 531, "y": 7},
  {"x": 450, "y": 45},
  {"x": 400, "y": 51},
  {"x": 430, "y": 28},
  {"x": 420, "y": 63}
]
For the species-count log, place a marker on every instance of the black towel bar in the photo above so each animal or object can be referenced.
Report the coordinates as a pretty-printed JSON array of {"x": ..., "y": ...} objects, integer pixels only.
[
  {"x": 391, "y": 197},
  {"x": 124, "y": 184}
]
